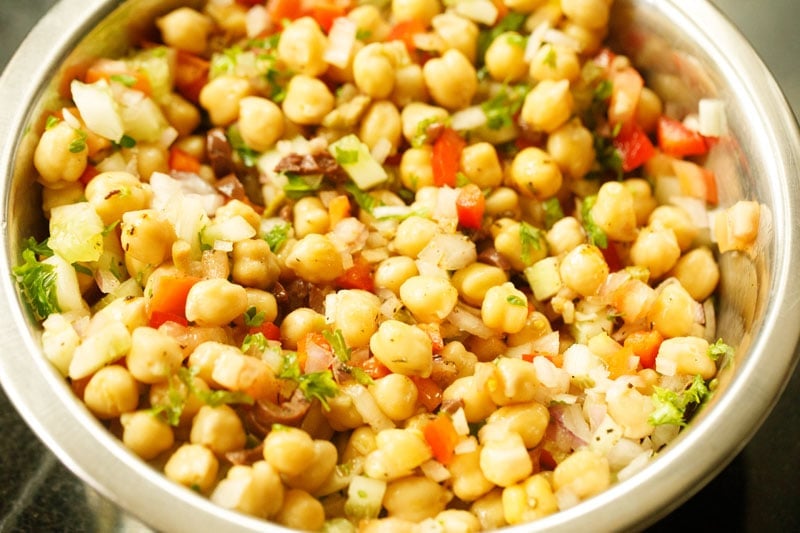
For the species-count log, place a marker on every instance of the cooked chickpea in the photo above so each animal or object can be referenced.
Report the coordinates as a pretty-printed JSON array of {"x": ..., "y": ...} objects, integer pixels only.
[
  {"x": 222, "y": 96},
  {"x": 534, "y": 173},
  {"x": 409, "y": 86},
  {"x": 261, "y": 122},
  {"x": 373, "y": 71},
  {"x": 528, "y": 501},
  {"x": 555, "y": 62},
  {"x": 68, "y": 194},
  {"x": 566, "y": 234},
  {"x": 584, "y": 269},
  {"x": 393, "y": 271},
  {"x": 153, "y": 356},
  {"x": 676, "y": 219},
  {"x": 592, "y": 14},
  {"x": 520, "y": 245},
  {"x": 318, "y": 471},
  {"x": 473, "y": 281},
  {"x": 481, "y": 166},
  {"x": 167, "y": 392},
  {"x": 429, "y": 298},
  {"x": 59, "y": 156},
  {"x": 289, "y": 450},
  {"x": 370, "y": 22},
  {"x": 185, "y": 29},
  {"x": 145, "y": 434},
  {"x": 315, "y": 258},
  {"x": 469, "y": 483},
  {"x": 547, "y": 106},
  {"x": 417, "y": 115},
  {"x": 649, "y": 109},
  {"x": 489, "y": 510},
  {"x": 180, "y": 113},
  {"x": 237, "y": 372},
  {"x": 421, "y": 10},
  {"x": 698, "y": 272},
  {"x": 643, "y": 200},
  {"x": 147, "y": 236},
  {"x": 204, "y": 358},
  {"x": 673, "y": 311},
  {"x": 111, "y": 391},
  {"x": 514, "y": 381},
  {"x": 572, "y": 148},
  {"x": 505, "y": 461},
  {"x": 415, "y": 498},
  {"x": 403, "y": 348},
  {"x": 528, "y": 419},
  {"x": 416, "y": 168},
  {"x": 302, "y": 47},
  {"x": 589, "y": 40},
  {"x": 301, "y": 511},
  {"x": 382, "y": 121},
  {"x": 478, "y": 403},
  {"x": 255, "y": 490},
  {"x": 614, "y": 212},
  {"x": 524, "y": 6},
  {"x": 631, "y": 409},
  {"x": 505, "y": 308},
  {"x": 218, "y": 428},
  {"x": 502, "y": 201},
  {"x": 451, "y": 79},
  {"x": 685, "y": 355},
  {"x": 194, "y": 466},
  {"x": 655, "y": 248},
  {"x": 298, "y": 323},
  {"x": 413, "y": 234},
  {"x": 215, "y": 302},
  {"x": 457, "y": 32},
  {"x": 736, "y": 228},
  {"x": 254, "y": 264},
  {"x": 505, "y": 58},
  {"x": 150, "y": 158},
  {"x": 585, "y": 473},
  {"x": 307, "y": 100},
  {"x": 114, "y": 193},
  {"x": 310, "y": 216},
  {"x": 356, "y": 315},
  {"x": 396, "y": 395},
  {"x": 263, "y": 302}
]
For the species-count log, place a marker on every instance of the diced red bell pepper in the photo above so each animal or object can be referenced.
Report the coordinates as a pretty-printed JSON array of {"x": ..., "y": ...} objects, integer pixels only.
[
  {"x": 447, "y": 157},
  {"x": 677, "y": 140},
  {"x": 191, "y": 75},
  {"x": 374, "y": 368},
  {"x": 634, "y": 146},
  {"x": 405, "y": 31},
  {"x": 182, "y": 161},
  {"x": 358, "y": 276},
  {"x": 429, "y": 393},
  {"x": 268, "y": 329},
  {"x": 280, "y": 10},
  {"x": 88, "y": 174},
  {"x": 168, "y": 302},
  {"x": 325, "y": 12},
  {"x": 645, "y": 345},
  {"x": 470, "y": 206},
  {"x": 442, "y": 437}
]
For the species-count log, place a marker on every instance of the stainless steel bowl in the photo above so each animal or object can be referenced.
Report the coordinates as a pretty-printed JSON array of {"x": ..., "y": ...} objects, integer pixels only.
[{"x": 685, "y": 47}]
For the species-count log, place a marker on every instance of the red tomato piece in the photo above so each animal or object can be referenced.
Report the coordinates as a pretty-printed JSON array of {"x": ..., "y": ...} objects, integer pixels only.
[
  {"x": 447, "y": 157},
  {"x": 677, "y": 140},
  {"x": 325, "y": 13},
  {"x": 634, "y": 146},
  {"x": 280, "y": 10},
  {"x": 645, "y": 345},
  {"x": 405, "y": 31},
  {"x": 88, "y": 174},
  {"x": 268, "y": 329},
  {"x": 358, "y": 276},
  {"x": 374, "y": 368},
  {"x": 182, "y": 161},
  {"x": 191, "y": 75},
  {"x": 169, "y": 296},
  {"x": 429, "y": 393},
  {"x": 470, "y": 205},
  {"x": 442, "y": 437}
]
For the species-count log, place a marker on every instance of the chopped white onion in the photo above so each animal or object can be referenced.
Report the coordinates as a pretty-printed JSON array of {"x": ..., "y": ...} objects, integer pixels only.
[
  {"x": 341, "y": 40},
  {"x": 468, "y": 445},
  {"x": 712, "y": 119},
  {"x": 70, "y": 119},
  {"x": 449, "y": 251},
  {"x": 367, "y": 407},
  {"x": 566, "y": 498},
  {"x": 464, "y": 320},
  {"x": 622, "y": 453},
  {"x": 555, "y": 36},
  {"x": 446, "y": 204},
  {"x": 460, "y": 423},
  {"x": 548, "y": 343},
  {"x": 694, "y": 207},
  {"x": 550, "y": 375},
  {"x": 535, "y": 40},
  {"x": 381, "y": 150},
  {"x": 666, "y": 367},
  {"x": 98, "y": 109},
  {"x": 638, "y": 463},
  {"x": 435, "y": 471},
  {"x": 256, "y": 21},
  {"x": 468, "y": 119},
  {"x": 480, "y": 11}
]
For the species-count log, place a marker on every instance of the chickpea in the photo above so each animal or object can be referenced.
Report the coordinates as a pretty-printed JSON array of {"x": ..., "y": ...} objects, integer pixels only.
[
  {"x": 673, "y": 311},
  {"x": 356, "y": 316},
  {"x": 114, "y": 193},
  {"x": 392, "y": 272},
  {"x": 521, "y": 245},
  {"x": 572, "y": 148},
  {"x": 505, "y": 58},
  {"x": 505, "y": 461},
  {"x": 643, "y": 201},
  {"x": 416, "y": 168},
  {"x": 382, "y": 121},
  {"x": 254, "y": 264},
  {"x": 478, "y": 403},
  {"x": 318, "y": 471},
  {"x": 698, "y": 272},
  {"x": 589, "y": 40},
  {"x": 301, "y": 511},
  {"x": 260, "y": 122},
  {"x": 153, "y": 356},
  {"x": 505, "y": 308},
  {"x": 502, "y": 201},
  {"x": 453, "y": 520},
  {"x": 631, "y": 409},
  {"x": 415, "y": 498},
  {"x": 218, "y": 428},
  {"x": 429, "y": 298},
  {"x": 417, "y": 116},
  {"x": 421, "y": 10},
  {"x": 398, "y": 453},
  {"x": 736, "y": 228},
  {"x": 298, "y": 323},
  {"x": 481, "y": 166},
  {"x": 204, "y": 358},
  {"x": 147, "y": 236},
  {"x": 111, "y": 391},
  {"x": 592, "y": 14},
  {"x": 409, "y": 86},
  {"x": 473, "y": 281},
  {"x": 145, "y": 434},
  {"x": 457, "y": 32},
  {"x": 221, "y": 97},
  {"x": 307, "y": 100},
  {"x": 514, "y": 381},
  {"x": 402, "y": 348},
  {"x": 59, "y": 156},
  {"x": 614, "y": 212},
  {"x": 396, "y": 395},
  {"x": 528, "y": 419},
  {"x": 489, "y": 510},
  {"x": 289, "y": 450},
  {"x": 263, "y": 302},
  {"x": 523, "y": 6},
  {"x": 167, "y": 392},
  {"x": 548, "y": 105},
  {"x": 676, "y": 219},
  {"x": 655, "y": 248},
  {"x": 648, "y": 110},
  {"x": 180, "y": 113},
  {"x": 251, "y": 375},
  {"x": 528, "y": 501},
  {"x": 310, "y": 216},
  {"x": 451, "y": 79},
  {"x": 469, "y": 483},
  {"x": 685, "y": 355},
  {"x": 373, "y": 71},
  {"x": 585, "y": 473},
  {"x": 555, "y": 62},
  {"x": 584, "y": 269},
  {"x": 185, "y": 29},
  {"x": 535, "y": 174},
  {"x": 68, "y": 194},
  {"x": 215, "y": 302},
  {"x": 194, "y": 466},
  {"x": 315, "y": 258},
  {"x": 255, "y": 490},
  {"x": 370, "y": 22},
  {"x": 302, "y": 47},
  {"x": 413, "y": 234},
  {"x": 566, "y": 234}
]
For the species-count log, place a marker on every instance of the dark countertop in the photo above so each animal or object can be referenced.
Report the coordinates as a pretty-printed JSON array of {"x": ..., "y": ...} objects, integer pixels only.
[{"x": 759, "y": 490}]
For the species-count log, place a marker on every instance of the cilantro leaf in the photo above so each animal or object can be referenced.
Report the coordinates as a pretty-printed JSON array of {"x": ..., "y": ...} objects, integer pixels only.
[
  {"x": 516, "y": 300},
  {"x": 552, "y": 212},
  {"x": 78, "y": 144},
  {"x": 720, "y": 349},
  {"x": 596, "y": 235},
  {"x": 248, "y": 155},
  {"x": 253, "y": 317},
  {"x": 278, "y": 235},
  {"x": 314, "y": 385},
  {"x": 670, "y": 407},
  {"x": 501, "y": 108},
  {"x": 37, "y": 283},
  {"x": 530, "y": 239},
  {"x": 254, "y": 340},
  {"x": 338, "y": 344}
]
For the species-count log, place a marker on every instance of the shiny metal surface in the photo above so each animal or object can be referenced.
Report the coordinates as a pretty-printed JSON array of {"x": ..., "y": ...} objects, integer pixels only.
[{"x": 764, "y": 316}]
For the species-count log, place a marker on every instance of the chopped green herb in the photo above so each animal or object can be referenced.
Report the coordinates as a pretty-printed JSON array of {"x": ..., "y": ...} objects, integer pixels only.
[
  {"x": 516, "y": 300},
  {"x": 364, "y": 200},
  {"x": 338, "y": 344},
  {"x": 51, "y": 122},
  {"x": 551, "y": 58},
  {"x": 253, "y": 317},
  {"x": 552, "y": 212},
  {"x": 671, "y": 407},
  {"x": 300, "y": 186},
  {"x": 462, "y": 180},
  {"x": 314, "y": 385},
  {"x": 126, "y": 141},
  {"x": 720, "y": 350},
  {"x": 171, "y": 411},
  {"x": 278, "y": 235},
  {"x": 254, "y": 340},
  {"x": 609, "y": 160},
  {"x": 518, "y": 40},
  {"x": 530, "y": 239},
  {"x": 422, "y": 135},
  {"x": 501, "y": 108},
  {"x": 596, "y": 235},
  {"x": 81, "y": 269},
  {"x": 39, "y": 248},
  {"x": 213, "y": 398},
  {"x": 362, "y": 34},
  {"x": 78, "y": 144},
  {"x": 360, "y": 376},
  {"x": 37, "y": 283},
  {"x": 248, "y": 155},
  {"x": 125, "y": 79}
]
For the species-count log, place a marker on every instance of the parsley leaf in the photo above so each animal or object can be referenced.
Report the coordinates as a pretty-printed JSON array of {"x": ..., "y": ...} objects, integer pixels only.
[
  {"x": 278, "y": 235},
  {"x": 37, "y": 283},
  {"x": 125, "y": 79},
  {"x": 254, "y": 340},
  {"x": 171, "y": 411},
  {"x": 516, "y": 300},
  {"x": 78, "y": 144},
  {"x": 501, "y": 108},
  {"x": 364, "y": 200},
  {"x": 51, "y": 122},
  {"x": 596, "y": 235},
  {"x": 253, "y": 317},
  {"x": 248, "y": 155},
  {"x": 126, "y": 141},
  {"x": 671, "y": 406},
  {"x": 422, "y": 136},
  {"x": 299, "y": 186},
  {"x": 552, "y": 212},
  {"x": 338, "y": 344},
  {"x": 609, "y": 160},
  {"x": 722, "y": 352},
  {"x": 530, "y": 240},
  {"x": 214, "y": 398},
  {"x": 314, "y": 385}
]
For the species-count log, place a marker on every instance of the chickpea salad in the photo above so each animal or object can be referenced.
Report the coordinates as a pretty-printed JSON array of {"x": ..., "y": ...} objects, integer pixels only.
[{"x": 401, "y": 265}]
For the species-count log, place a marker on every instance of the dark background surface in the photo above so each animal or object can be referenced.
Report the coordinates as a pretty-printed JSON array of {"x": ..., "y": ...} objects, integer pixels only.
[{"x": 758, "y": 492}]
